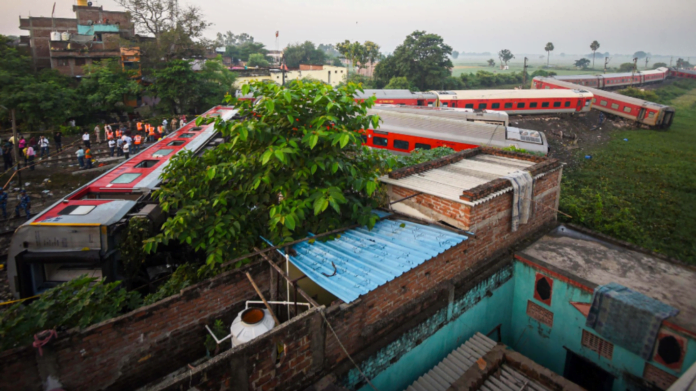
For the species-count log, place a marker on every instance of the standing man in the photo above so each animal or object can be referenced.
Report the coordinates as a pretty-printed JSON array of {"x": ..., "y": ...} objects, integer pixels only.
[
  {"x": 164, "y": 125},
  {"x": 3, "y": 203},
  {"x": 126, "y": 150},
  {"x": 97, "y": 136},
  {"x": 119, "y": 147},
  {"x": 112, "y": 146},
  {"x": 136, "y": 142},
  {"x": 24, "y": 203},
  {"x": 85, "y": 139},
  {"x": 174, "y": 123},
  {"x": 31, "y": 154},
  {"x": 58, "y": 138},
  {"x": 119, "y": 133},
  {"x": 151, "y": 132},
  {"x": 43, "y": 144},
  {"x": 108, "y": 132},
  {"x": 80, "y": 157},
  {"x": 88, "y": 158},
  {"x": 7, "y": 155}
]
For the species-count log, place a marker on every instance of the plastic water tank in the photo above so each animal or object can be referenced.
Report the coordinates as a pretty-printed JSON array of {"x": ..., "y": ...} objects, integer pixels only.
[
  {"x": 249, "y": 324},
  {"x": 65, "y": 36},
  {"x": 55, "y": 36}
]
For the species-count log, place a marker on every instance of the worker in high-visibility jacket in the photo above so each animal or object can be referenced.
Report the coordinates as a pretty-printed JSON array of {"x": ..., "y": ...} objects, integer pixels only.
[
  {"x": 119, "y": 133},
  {"x": 136, "y": 142},
  {"x": 109, "y": 132},
  {"x": 151, "y": 133},
  {"x": 139, "y": 125},
  {"x": 159, "y": 132}
]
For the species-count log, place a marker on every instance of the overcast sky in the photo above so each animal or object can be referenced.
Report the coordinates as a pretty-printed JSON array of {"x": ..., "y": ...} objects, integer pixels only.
[{"x": 523, "y": 26}]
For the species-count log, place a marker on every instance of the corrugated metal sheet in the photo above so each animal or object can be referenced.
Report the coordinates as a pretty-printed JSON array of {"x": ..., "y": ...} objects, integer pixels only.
[
  {"x": 508, "y": 379},
  {"x": 366, "y": 259},
  {"x": 444, "y": 374},
  {"x": 451, "y": 180}
]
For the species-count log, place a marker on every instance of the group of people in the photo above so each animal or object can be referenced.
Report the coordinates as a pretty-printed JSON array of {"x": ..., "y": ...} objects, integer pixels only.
[
  {"x": 28, "y": 149},
  {"x": 24, "y": 204}
]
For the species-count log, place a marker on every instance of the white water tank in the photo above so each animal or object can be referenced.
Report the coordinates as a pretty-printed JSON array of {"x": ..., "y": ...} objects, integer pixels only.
[
  {"x": 55, "y": 36},
  {"x": 65, "y": 36},
  {"x": 249, "y": 324}
]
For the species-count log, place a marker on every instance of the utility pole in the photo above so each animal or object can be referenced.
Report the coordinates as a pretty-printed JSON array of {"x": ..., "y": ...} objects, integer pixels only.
[
  {"x": 670, "y": 61},
  {"x": 646, "y": 63},
  {"x": 524, "y": 72},
  {"x": 606, "y": 61},
  {"x": 635, "y": 67},
  {"x": 15, "y": 146}
]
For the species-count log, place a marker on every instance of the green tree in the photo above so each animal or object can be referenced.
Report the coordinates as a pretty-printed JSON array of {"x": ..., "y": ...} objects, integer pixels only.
[
  {"x": 294, "y": 166},
  {"x": 549, "y": 48},
  {"x": 398, "y": 83},
  {"x": 257, "y": 60},
  {"x": 681, "y": 63},
  {"x": 215, "y": 82},
  {"x": 640, "y": 54},
  {"x": 626, "y": 67},
  {"x": 659, "y": 65},
  {"x": 594, "y": 46},
  {"x": 105, "y": 85},
  {"x": 505, "y": 55},
  {"x": 242, "y": 51},
  {"x": 329, "y": 49},
  {"x": 491, "y": 62},
  {"x": 303, "y": 53},
  {"x": 422, "y": 58},
  {"x": 455, "y": 54},
  {"x": 582, "y": 63}
]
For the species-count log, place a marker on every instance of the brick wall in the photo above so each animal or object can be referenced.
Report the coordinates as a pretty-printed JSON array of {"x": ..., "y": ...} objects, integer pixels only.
[{"x": 141, "y": 346}]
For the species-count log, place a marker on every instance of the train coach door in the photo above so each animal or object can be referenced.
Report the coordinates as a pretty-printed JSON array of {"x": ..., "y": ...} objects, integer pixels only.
[
  {"x": 641, "y": 114},
  {"x": 420, "y": 102},
  {"x": 579, "y": 106}
]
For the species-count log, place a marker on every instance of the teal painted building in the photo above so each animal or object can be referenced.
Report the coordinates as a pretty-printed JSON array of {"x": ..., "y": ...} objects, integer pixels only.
[{"x": 540, "y": 301}]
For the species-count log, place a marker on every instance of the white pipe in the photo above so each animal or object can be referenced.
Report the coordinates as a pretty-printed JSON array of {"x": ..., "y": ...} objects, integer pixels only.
[
  {"x": 218, "y": 341},
  {"x": 276, "y": 302},
  {"x": 287, "y": 273}
]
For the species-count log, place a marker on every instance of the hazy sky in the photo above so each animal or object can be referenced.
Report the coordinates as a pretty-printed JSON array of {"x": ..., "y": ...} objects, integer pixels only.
[{"x": 523, "y": 26}]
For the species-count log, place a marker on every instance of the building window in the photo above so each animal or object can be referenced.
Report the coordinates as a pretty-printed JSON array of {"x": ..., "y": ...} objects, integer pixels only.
[
  {"x": 544, "y": 104},
  {"x": 520, "y": 105},
  {"x": 597, "y": 344},
  {"x": 380, "y": 141},
  {"x": 543, "y": 288},
  {"x": 400, "y": 144},
  {"x": 556, "y": 104},
  {"x": 495, "y": 106},
  {"x": 62, "y": 62},
  {"x": 670, "y": 350},
  {"x": 539, "y": 313},
  {"x": 508, "y": 105},
  {"x": 657, "y": 376},
  {"x": 79, "y": 61},
  {"x": 423, "y": 146}
]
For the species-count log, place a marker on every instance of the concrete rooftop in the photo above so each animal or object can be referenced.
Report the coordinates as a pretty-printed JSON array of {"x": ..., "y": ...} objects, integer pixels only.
[{"x": 593, "y": 261}]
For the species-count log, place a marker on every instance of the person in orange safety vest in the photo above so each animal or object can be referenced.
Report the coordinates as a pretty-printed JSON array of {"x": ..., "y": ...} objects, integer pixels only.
[
  {"x": 139, "y": 125},
  {"x": 136, "y": 142},
  {"x": 151, "y": 133},
  {"x": 119, "y": 133},
  {"x": 109, "y": 133},
  {"x": 159, "y": 132}
]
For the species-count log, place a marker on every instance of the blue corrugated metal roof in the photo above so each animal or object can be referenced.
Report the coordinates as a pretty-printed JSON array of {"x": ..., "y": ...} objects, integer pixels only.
[{"x": 367, "y": 259}]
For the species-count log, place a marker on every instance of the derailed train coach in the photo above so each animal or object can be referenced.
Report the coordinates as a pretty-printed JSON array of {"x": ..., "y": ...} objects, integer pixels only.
[
  {"x": 617, "y": 80},
  {"x": 81, "y": 233},
  {"x": 644, "y": 112}
]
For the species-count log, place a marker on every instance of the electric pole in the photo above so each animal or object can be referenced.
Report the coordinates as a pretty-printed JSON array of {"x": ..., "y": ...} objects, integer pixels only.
[
  {"x": 524, "y": 72},
  {"x": 646, "y": 63},
  {"x": 606, "y": 61},
  {"x": 670, "y": 61},
  {"x": 635, "y": 68}
]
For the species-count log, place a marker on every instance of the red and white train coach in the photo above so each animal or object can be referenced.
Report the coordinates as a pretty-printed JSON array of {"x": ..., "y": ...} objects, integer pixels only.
[
  {"x": 649, "y": 113},
  {"x": 80, "y": 234},
  {"x": 683, "y": 73},
  {"x": 519, "y": 102},
  {"x": 617, "y": 80}
]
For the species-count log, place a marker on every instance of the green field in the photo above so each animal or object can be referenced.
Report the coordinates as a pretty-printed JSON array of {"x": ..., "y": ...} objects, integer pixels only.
[{"x": 642, "y": 190}]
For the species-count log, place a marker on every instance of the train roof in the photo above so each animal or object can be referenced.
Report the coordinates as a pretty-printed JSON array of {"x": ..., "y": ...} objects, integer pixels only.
[
  {"x": 394, "y": 94},
  {"x": 689, "y": 71},
  {"x": 514, "y": 94},
  {"x": 610, "y": 75},
  {"x": 442, "y": 112},
  {"x": 604, "y": 93},
  {"x": 458, "y": 130},
  {"x": 138, "y": 174}
]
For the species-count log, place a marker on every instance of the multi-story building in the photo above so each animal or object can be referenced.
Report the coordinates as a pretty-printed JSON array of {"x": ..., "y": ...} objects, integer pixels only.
[{"x": 68, "y": 44}]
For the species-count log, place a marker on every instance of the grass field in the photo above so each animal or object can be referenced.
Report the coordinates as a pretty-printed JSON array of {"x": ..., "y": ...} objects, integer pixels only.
[{"x": 641, "y": 186}]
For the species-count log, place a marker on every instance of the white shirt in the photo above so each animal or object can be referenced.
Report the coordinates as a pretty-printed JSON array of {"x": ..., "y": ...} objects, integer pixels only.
[
  {"x": 43, "y": 142},
  {"x": 85, "y": 137},
  {"x": 164, "y": 123},
  {"x": 129, "y": 140},
  {"x": 112, "y": 143},
  {"x": 126, "y": 147}
]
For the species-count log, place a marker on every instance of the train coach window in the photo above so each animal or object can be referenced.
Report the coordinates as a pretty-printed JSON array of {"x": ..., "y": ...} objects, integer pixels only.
[
  {"x": 556, "y": 104},
  {"x": 400, "y": 144},
  {"x": 482, "y": 106},
  {"x": 147, "y": 164},
  {"x": 652, "y": 114},
  {"x": 363, "y": 138},
  {"x": 176, "y": 143},
  {"x": 76, "y": 210},
  {"x": 544, "y": 104},
  {"x": 187, "y": 135},
  {"x": 533, "y": 105},
  {"x": 162, "y": 152},
  {"x": 520, "y": 105},
  {"x": 594, "y": 100},
  {"x": 603, "y": 103},
  {"x": 627, "y": 109},
  {"x": 469, "y": 106},
  {"x": 445, "y": 104},
  {"x": 495, "y": 106},
  {"x": 423, "y": 146},
  {"x": 125, "y": 178},
  {"x": 380, "y": 141},
  {"x": 615, "y": 106},
  {"x": 567, "y": 104},
  {"x": 508, "y": 105}
]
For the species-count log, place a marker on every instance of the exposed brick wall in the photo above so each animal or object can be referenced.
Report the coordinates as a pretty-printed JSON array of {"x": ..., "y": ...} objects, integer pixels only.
[{"x": 143, "y": 345}]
